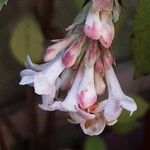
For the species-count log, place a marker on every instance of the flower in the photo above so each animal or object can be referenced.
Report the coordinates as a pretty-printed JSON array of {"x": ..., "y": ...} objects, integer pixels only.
[
  {"x": 117, "y": 100},
  {"x": 44, "y": 81},
  {"x": 78, "y": 64}
]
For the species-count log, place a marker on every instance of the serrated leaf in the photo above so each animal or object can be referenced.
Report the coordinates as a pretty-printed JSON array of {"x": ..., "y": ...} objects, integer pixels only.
[
  {"x": 94, "y": 143},
  {"x": 141, "y": 44},
  {"x": 125, "y": 123},
  {"x": 27, "y": 38}
]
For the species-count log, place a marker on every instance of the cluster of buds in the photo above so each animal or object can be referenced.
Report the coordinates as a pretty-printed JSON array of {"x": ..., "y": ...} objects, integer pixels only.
[{"x": 81, "y": 64}]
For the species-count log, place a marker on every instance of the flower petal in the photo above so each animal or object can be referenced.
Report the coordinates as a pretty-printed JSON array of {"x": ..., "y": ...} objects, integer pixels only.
[
  {"x": 44, "y": 82},
  {"x": 94, "y": 126},
  {"x": 112, "y": 110},
  {"x": 129, "y": 104}
]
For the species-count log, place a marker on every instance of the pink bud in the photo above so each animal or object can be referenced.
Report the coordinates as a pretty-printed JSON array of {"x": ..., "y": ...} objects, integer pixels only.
[
  {"x": 53, "y": 50},
  {"x": 93, "y": 26},
  {"x": 73, "y": 52},
  {"x": 86, "y": 93}
]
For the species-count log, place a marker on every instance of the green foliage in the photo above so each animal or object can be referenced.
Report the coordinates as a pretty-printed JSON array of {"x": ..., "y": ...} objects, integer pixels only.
[
  {"x": 141, "y": 44},
  {"x": 125, "y": 123},
  {"x": 2, "y": 2},
  {"x": 94, "y": 143},
  {"x": 27, "y": 39}
]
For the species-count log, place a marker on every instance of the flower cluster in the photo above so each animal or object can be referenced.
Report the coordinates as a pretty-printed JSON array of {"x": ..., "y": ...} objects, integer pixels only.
[{"x": 81, "y": 64}]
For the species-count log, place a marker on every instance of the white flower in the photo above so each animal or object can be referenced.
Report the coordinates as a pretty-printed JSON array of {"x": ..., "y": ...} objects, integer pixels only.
[
  {"x": 117, "y": 100},
  {"x": 70, "y": 103},
  {"x": 44, "y": 81}
]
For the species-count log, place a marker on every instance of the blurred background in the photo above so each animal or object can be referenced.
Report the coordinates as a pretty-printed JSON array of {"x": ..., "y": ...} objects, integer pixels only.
[{"x": 26, "y": 27}]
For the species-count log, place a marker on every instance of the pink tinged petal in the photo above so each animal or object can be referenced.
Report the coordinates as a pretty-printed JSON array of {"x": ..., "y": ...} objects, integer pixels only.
[
  {"x": 66, "y": 79},
  {"x": 93, "y": 26},
  {"x": 94, "y": 126},
  {"x": 70, "y": 102},
  {"x": 99, "y": 84},
  {"x": 73, "y": 52},
  {"x": 112, "y": 110},
  {"x": 108, "y": 31},
  {"x": 44, "y": 82},
  {"x": 53, "y": 50},
  {"x": 86, "y": 93}
]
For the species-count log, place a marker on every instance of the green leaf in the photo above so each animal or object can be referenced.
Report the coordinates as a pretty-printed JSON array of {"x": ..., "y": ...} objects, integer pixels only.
[
  {"x": 27, "y": 39},
  {"x": 125, "y": 123},
  {"x": 141, "y": 44},
  {"x": 94, "y": 143}
]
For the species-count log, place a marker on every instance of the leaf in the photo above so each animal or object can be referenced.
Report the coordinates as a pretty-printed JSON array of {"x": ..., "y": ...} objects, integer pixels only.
[
  {"x": 27, "y": 39},
  {"x": 94, "y": 143},
  {"x": 125, "y": 123},
  {"x": 141, "y": 33},
  {"x": 2, "y": 2}
]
